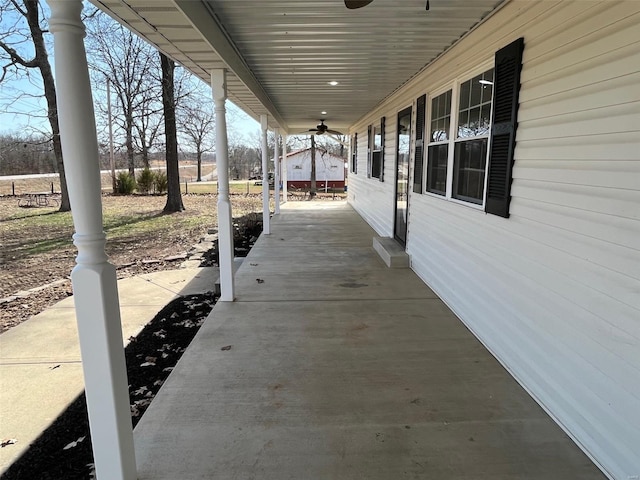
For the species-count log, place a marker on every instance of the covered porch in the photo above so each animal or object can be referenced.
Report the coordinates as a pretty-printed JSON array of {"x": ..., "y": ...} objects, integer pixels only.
[{"x": 336, "y": 366}]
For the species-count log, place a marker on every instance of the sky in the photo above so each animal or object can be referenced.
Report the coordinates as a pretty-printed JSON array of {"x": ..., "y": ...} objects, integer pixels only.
[{"x": 22, "y": 108}]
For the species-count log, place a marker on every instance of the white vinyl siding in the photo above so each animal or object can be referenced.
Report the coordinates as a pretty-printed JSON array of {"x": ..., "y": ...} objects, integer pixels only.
[
  {"x": 371, "y": 198},
  {"x": 329, "y": 167},
  {"x": 554, "y": 290}
]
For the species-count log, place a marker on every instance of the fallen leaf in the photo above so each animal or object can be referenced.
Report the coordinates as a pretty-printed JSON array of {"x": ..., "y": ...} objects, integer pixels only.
[
  {"x": 8, "y": 441},
  {"x": 74, "y": 443},
  {"x": 259, "y": 280},
  {"x": 148, "y": 364},
  {"x": 54, "y": 367},
  {"x": 140, "y": 391},
  {"x": 253, "y": 264},
  {"x": 227, "y": 348},
  {"x": 160, "y": 333}
]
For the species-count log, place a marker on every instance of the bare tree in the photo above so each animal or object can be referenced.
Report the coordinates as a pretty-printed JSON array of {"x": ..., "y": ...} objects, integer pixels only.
[
  {"x": 147, "y": 124},
  {"x": 24, "y": 153},
  {"x": 130, "y": 64},
  {"x": 174, "y": 196},
  {"x": 14, "y": 37},
  {"x": 197, "y": 122}
]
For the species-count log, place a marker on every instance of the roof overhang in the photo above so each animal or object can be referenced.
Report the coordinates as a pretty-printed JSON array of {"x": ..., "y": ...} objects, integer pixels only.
[{"x": 281, "y": 55}]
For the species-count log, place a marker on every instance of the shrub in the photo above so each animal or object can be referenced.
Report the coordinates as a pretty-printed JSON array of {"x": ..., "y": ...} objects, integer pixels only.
[
  {"x": 125, "y": 183},
  {"x": 145, "y": 180},
  {"x": 160, "y": 182}
]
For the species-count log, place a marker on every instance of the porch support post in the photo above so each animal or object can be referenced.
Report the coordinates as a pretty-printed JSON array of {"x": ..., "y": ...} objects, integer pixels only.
[
  {"x": 94, "y": 279},
  {"x": 285, "y": 173},
  {"x": 276, "y": 163},
  {"x": 266, "y": 225},
  {"x": 225, "y": 221}
]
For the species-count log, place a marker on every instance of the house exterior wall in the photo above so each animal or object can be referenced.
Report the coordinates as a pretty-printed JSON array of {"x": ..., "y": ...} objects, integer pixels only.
[
  {"x": 553, "y": 291},
  {"x": 328, "y": 167}
]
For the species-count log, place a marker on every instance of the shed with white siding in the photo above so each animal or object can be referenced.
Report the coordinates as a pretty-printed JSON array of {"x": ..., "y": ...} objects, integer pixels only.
[
  {"x": 552, "y": 288},
  {"x": 329, "y": 169}
]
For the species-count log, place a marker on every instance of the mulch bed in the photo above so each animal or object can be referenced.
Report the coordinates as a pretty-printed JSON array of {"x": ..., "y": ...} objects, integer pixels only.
[
  {"x": 63, "y": 451},
  {"x": 246, "y": 231}
]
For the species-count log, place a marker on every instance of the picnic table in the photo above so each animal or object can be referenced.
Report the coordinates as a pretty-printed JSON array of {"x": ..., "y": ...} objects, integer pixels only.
[{"x": 37, "y": 199}]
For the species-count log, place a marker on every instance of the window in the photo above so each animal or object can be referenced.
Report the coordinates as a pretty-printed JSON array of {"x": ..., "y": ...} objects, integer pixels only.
[
  {"x": 438, "y": 151},
  {"x": 354, "y": 153},
  {"x": 376, "y": 150},
  {"x": 418, "y": 153},
  {"x": 461, "y": 121},
  {"x": 474, "y": 125},
  {"x": 466, "y": 140}
]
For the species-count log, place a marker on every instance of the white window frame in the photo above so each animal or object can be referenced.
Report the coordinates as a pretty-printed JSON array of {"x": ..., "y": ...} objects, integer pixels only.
[
  {"x": 429, "y": 143},
  {"x": 454, "y": 86}
]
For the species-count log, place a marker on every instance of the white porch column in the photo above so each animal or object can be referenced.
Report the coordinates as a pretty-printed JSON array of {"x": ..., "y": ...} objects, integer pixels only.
[
  {"x": 94, "y": 279},
  {"x": 285, "y": 173},
  {"x": 225, "y": 220},
  {"x": 276, "y": 163},
  {"x": 266, "y": 220}
]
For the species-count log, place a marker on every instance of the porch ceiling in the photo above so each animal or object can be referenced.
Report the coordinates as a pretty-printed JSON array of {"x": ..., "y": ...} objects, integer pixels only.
[{"x": 281, "y": 54}]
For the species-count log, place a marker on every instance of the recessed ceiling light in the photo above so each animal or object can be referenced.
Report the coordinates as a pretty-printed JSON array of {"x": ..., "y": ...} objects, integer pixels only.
[
  {"x": 333, "y": 83},
  {"x": 323, "y": 113}
]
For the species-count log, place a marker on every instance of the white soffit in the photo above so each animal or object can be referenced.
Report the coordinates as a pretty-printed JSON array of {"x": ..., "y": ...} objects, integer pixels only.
[{"x": 282, "y": 54}]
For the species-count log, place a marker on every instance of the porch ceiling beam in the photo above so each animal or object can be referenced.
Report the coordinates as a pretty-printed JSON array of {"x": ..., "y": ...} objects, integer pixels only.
[{"x": 203, "y": 19}]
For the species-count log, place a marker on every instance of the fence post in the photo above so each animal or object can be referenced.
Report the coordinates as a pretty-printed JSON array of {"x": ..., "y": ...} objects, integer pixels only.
[
  {"x": 13, "y": 189},
  {"x": 52, "y": 192},
  {"x": 247, "y": 187},
  {"x": 186, "y": 188}
]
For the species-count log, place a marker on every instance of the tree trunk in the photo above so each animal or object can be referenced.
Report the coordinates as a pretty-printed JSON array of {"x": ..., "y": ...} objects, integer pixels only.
[
  {"x": 145, "y": 156},
  {"x": 129, "y": 145},
  {"x": 314, "y": 187},
  {"x": 174, "y": 197},
  {"x": 199, "y": 156},
  {"x": 42, "y": 60}
]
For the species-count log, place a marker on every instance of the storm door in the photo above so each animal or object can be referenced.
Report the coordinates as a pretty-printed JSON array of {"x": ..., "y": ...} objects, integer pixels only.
[{"x": 402, "y": 174}]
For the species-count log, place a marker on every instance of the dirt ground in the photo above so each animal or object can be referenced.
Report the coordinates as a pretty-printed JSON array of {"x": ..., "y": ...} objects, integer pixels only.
[{"x": 139, "y": 240}]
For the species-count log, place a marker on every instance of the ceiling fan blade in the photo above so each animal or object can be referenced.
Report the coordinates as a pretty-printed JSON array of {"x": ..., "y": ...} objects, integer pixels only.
[
  {"x": 334, "y": 132},
  {"x": 427, "y": 5},
  {"x": 353, "y": 4}
]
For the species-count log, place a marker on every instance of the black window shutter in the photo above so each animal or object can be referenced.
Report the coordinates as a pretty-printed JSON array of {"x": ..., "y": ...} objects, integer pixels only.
[
  {"x": 503, "y": 131},
  {"x": 354, "y": 154},
  {"x": 418, "y": 154},
  {"x": 369, "y": 159},
  {"x": 382, "y": 120}
]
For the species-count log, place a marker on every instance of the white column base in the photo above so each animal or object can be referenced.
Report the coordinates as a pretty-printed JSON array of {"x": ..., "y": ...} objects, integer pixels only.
[
  {"x": 95, "y": 295},
  {"x": 225, "y": 250}
]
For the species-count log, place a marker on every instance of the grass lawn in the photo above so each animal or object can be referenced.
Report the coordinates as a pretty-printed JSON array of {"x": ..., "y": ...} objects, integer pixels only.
[{"x": 36, "y": 243}]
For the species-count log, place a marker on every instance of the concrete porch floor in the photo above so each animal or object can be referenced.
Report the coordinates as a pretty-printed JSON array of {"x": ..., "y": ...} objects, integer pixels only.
[{"x": 341, "y": 368}]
